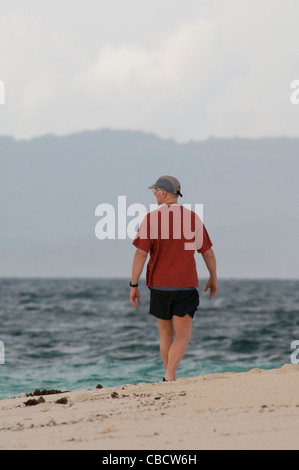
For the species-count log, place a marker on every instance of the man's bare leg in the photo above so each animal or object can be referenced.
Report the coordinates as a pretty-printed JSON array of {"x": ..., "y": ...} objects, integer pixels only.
[
  {"x": 166, "y": 338},
  {"x": 183, "y": 328}
]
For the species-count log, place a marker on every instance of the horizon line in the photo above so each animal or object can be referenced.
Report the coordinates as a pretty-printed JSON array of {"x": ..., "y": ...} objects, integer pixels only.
[{"x": 147, "y": 133}]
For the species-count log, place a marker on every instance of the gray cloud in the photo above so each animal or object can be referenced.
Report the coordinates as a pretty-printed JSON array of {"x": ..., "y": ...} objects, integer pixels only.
[{"x": 185, "y": 70}]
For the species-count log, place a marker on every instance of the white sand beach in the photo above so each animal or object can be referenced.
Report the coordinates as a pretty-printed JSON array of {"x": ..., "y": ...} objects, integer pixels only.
[{"x": 258, "y": 409}]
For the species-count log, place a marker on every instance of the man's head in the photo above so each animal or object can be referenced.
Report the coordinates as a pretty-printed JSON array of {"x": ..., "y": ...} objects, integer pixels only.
[
  {"x": 169, "y": 184},
  {"x": 167, "y": 189}
]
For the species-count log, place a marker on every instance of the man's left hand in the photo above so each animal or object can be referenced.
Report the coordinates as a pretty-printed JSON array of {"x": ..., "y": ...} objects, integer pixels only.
[{"x": 135, "y": 295}]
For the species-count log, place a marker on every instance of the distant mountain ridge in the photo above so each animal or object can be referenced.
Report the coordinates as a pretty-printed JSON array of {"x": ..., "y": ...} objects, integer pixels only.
[{"x": 51, "y": 185}]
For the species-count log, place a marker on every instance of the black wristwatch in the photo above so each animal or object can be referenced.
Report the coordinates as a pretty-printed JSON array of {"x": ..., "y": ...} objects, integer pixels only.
[{"x": 133, "y": 285}]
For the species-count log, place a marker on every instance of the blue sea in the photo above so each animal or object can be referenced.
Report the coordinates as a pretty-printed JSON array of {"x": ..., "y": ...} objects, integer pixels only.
[{"x": 72, "y": 334}]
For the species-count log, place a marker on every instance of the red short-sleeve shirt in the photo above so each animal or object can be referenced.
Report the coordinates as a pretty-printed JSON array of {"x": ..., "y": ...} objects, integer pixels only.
[{"x": 172, "y": 234}]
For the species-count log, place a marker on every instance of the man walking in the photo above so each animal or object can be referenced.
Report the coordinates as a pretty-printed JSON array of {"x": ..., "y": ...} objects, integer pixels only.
[{"x": 172, "y": 234}]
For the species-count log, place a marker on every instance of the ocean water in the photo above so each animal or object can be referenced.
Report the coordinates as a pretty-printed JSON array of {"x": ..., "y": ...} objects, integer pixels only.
[{"x": 72, "y": 334}]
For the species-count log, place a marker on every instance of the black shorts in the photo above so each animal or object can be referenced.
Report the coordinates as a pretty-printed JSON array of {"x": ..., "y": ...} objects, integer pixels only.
[{"x": 164, "y": 304}]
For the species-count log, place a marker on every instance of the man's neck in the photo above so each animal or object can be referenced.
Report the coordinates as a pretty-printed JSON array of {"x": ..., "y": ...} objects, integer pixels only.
[
  {"x": 168, "y": 202},
  {"x": 171, "y": 201}
]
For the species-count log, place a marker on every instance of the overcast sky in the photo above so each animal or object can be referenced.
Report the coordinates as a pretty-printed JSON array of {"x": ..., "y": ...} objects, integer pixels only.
[{"x": 182, "y": 69}]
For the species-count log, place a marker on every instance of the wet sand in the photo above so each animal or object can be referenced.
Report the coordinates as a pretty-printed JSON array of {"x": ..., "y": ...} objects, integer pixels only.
[{"x": 258, "y": 409}]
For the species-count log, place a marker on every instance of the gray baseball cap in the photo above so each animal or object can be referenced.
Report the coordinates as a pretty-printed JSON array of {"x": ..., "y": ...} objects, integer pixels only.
[{"x": 169, "y": 183}]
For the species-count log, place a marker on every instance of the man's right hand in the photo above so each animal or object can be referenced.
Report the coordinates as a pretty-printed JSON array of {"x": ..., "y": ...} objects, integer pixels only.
[{"x": 212, "y": 285}]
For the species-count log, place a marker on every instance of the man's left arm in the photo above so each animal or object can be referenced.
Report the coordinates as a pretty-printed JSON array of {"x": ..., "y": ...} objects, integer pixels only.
[{"x": 137, "y": 268}]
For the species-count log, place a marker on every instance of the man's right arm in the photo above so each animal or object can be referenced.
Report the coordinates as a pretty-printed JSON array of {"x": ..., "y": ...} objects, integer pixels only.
[{"x": 210, "y": 261}]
